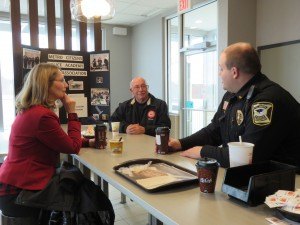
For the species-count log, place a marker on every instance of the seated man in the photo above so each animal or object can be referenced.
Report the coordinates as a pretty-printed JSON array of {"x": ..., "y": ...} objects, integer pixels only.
[
  {"x": 143, "y": 113},
  {"x": 255, "y": 108}
]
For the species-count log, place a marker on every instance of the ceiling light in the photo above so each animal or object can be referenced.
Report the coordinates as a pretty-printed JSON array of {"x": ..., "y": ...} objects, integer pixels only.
[{"x": 92, "y": 11}]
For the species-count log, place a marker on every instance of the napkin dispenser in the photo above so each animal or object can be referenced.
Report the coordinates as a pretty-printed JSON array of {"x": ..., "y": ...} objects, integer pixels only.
[{"x": 252, "y": 183}]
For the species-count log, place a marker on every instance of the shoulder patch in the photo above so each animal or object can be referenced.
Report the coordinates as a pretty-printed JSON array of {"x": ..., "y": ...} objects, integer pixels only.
[{"x": 262, "y": 113}]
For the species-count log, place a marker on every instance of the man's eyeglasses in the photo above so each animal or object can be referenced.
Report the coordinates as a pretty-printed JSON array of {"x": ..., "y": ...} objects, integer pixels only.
[{"x": 143, "y": 87}]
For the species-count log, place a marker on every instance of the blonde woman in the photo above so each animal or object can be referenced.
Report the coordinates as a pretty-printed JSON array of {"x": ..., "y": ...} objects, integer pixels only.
[{"x": 37, "y": 139}]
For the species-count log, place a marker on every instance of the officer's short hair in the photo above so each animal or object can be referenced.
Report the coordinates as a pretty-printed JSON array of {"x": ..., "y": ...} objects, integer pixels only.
[{"x": 243, "y": 56}]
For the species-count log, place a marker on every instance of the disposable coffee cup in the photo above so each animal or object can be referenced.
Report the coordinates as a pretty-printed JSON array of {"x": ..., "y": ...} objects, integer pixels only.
[
  {"x": 207, "y": 170},
  {"x": 240, "y": 153},
  {"x": 162, "y": 139},
  {"x": 115, "y": 126},
  {"x": 100, "y": 136},
  {"x": 116, "y": 146}
]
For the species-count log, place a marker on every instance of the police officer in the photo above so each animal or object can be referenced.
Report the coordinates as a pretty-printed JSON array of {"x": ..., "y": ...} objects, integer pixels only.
[
  {"x": 143, "y": 113},
  {"x": 255, "y": 108}
]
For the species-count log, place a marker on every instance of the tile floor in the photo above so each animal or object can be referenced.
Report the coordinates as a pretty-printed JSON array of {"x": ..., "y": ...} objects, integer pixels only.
[{"x": 129, "y": 213}]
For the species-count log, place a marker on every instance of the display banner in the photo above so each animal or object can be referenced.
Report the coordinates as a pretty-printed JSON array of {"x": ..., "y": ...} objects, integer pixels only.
[{"x": 87, "y": 75}]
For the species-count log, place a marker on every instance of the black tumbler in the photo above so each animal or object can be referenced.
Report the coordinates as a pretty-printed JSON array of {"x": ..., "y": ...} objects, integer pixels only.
[
  {"x": 162, "y": 139},
  {"x": 100, "y": 136}
]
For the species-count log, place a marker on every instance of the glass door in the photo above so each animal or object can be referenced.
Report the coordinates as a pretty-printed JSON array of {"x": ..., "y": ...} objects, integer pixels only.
[
  {"x": 200, "y": 73},
  {"x": 200, "y": 89}
]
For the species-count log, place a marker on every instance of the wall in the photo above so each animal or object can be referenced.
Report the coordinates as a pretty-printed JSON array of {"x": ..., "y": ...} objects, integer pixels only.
[
  {"x": 120, "y": 74},
  {"x": 147, "y": 54},
  {"x": 277, "y": 21},
  {"x": 236, "y": 23}
]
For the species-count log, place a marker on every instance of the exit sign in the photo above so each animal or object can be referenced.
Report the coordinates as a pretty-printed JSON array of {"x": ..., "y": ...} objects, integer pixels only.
[{"x": 183, "y": 5}]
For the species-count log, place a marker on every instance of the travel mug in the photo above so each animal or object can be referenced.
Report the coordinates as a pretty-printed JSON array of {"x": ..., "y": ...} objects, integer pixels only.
[
  {"x": 100, "y": 136},
  {"x": 162, "y": 139},
  {"x": 207, "y": 169}
]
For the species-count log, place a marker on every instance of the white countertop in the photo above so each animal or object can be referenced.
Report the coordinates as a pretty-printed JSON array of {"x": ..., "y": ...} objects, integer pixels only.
[{"x": 185, "y": 205}]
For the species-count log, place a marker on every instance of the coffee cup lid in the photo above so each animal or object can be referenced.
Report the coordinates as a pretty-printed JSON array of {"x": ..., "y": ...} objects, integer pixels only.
[
  {"x": 100, "y": 126},
  {"x": 207, "y": 162},
  {"x": 162, "y": 129}
]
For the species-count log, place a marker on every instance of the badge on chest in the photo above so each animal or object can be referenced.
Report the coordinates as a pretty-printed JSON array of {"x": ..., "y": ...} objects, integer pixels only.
[
  {"x": 239, "y": 117},
  {"x": 151, "y": 114}
]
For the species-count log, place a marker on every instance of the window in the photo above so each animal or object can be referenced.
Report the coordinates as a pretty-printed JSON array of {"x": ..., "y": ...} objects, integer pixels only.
[
  {"x": 192, "y": 71},
  {"x": 7, "y": 95},
  {"x": 7, "y": 80},
  {"x": 173, "y": 65}
]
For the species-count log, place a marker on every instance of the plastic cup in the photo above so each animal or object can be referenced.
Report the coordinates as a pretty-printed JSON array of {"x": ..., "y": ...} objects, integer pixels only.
[
  {"x": 116, "y": 146},
  {"x": 115, "y": 126},
  {"x": 240, "y": 153}
]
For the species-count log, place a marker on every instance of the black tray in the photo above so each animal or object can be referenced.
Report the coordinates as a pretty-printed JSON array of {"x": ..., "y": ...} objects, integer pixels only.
[
  {"x": 252, "y": 183},
  {"x": 177, "y": 168},
  {"x": 289, "y": 215}
]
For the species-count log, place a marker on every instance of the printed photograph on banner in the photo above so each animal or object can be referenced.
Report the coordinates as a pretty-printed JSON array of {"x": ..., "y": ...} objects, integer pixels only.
[
  {"x": 96, "y": 116},
  {"x": 30, "y": 58},
  {"x": 99, "y": 80},
  {"x": 100, "y": 96},
  {"x": 75, "y": 85},
  {"x": 99, "y": 62}
]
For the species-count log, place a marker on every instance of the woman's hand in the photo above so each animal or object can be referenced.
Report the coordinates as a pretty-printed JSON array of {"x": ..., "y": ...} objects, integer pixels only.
[{"x": 69, "y": 104}]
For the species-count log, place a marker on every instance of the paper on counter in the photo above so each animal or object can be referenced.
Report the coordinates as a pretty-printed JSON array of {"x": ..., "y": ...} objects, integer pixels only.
[
  {"x": 276, "y": 221},
  {"x": 154, "y": 182},
  {"x": 288, "y": 200}
]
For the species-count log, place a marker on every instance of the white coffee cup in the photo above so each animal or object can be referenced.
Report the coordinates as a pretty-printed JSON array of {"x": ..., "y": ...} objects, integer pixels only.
[
  {"x": 115, "y": 126},
  {"x": 240, "y": 153}
]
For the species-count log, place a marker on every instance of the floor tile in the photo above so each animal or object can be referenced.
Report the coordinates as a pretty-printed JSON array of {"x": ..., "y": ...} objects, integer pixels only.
[{"x": 129, "y": 213}]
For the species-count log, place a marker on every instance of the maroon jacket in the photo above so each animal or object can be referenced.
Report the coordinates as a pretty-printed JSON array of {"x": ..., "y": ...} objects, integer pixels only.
[{"x": 35, "y": 142}]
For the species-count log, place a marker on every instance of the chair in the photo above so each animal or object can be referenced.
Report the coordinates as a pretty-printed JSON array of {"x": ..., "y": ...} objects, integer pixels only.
[{"x": 7, "y": 220}]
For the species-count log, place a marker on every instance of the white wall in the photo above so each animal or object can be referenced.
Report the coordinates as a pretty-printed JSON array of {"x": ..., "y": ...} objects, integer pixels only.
[
  {"x": 120, "y": 59},
  {"x": 277, "y": 21},
  {"x": 236, "y": 23},
  {"x": 147, "y": 54}
]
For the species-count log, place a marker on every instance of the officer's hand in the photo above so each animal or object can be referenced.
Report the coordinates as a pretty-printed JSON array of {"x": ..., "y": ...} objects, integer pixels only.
[
  {"x": 174, "y": 144},
  {"x": 193, "y": 153}
]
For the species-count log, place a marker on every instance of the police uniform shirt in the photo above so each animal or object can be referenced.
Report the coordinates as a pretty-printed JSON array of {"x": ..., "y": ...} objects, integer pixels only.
[{"x": 262, "y": 113}]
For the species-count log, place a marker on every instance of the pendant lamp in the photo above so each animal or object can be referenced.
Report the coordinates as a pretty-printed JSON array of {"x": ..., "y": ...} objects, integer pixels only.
[{"x": 92, "y": 11}]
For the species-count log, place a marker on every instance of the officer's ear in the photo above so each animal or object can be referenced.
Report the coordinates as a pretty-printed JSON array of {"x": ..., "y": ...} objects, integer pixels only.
[{"x": 235, "y": 72}]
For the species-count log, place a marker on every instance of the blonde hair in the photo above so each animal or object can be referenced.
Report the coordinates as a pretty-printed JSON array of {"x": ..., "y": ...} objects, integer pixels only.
[{"x": 35, "y": 90}]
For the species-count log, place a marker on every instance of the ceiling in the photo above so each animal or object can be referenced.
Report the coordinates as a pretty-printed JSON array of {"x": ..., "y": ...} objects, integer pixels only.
[
  {"x": 132, "y": 12},
  {"x": 128, "y": 12}
]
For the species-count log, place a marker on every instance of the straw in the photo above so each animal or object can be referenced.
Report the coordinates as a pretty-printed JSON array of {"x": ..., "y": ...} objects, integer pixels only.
[
  {"x": 240, "y": 138},
  {"x": 120, "y": 139}
]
